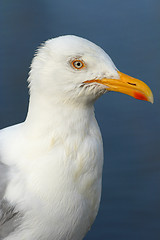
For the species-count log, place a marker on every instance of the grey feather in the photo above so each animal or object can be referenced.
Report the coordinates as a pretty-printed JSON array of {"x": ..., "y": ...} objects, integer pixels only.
[
  {"x": 3, "y": 179},
  {"x": 10, "y": 218}
]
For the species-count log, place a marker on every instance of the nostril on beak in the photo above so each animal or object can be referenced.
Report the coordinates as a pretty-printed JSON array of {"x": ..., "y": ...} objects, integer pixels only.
[{"x": 133, "y": 84}]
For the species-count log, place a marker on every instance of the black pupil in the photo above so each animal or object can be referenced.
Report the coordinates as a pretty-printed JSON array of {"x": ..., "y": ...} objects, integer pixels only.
[{"x": 78, "y": 64}]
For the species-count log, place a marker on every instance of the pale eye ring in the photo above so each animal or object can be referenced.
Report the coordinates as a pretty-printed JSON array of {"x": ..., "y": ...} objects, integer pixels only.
[{"x": 78, "y": 64}]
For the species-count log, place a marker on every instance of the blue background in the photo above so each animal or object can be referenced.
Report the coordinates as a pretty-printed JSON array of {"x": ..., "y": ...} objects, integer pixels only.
[{"x": 129, "y": 32}]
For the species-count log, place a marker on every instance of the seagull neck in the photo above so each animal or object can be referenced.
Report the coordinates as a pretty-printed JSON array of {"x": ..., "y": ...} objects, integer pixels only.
[{"x": 44, "y": 116}]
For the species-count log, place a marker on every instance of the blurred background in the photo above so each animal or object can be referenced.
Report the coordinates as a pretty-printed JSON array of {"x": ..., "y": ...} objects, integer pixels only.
[{"x": 129, "y": 32}]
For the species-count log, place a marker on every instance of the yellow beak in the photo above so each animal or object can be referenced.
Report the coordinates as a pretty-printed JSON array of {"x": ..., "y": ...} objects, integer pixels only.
[{"x": 127, "y": 85}]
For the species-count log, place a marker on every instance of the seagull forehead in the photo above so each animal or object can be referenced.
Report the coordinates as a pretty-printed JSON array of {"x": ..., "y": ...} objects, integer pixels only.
[{"x": 61, "y": 50}]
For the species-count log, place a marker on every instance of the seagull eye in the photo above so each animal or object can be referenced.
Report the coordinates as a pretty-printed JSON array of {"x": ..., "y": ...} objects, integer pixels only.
[{"x": 78, "y": 64}]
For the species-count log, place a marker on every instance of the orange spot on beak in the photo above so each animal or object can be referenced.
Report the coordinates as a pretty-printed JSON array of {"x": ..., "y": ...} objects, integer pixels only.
[{"x": 140, "y": 96}]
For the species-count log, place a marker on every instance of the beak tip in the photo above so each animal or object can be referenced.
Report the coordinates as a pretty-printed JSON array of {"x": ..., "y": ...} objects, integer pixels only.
[
  {"x": 151, "y": 99},
  {"x": 146, "y": 96}
]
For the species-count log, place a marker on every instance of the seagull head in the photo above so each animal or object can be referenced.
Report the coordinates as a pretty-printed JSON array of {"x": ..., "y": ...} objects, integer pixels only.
[{"x": 74, "y": 70}]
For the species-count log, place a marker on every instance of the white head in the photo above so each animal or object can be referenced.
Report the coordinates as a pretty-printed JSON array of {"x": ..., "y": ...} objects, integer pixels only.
[{"x": 73, "y": 69}]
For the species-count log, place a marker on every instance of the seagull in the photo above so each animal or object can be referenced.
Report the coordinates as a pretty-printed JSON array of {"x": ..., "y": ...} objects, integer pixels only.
[{"x": 51, "y": 164}]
